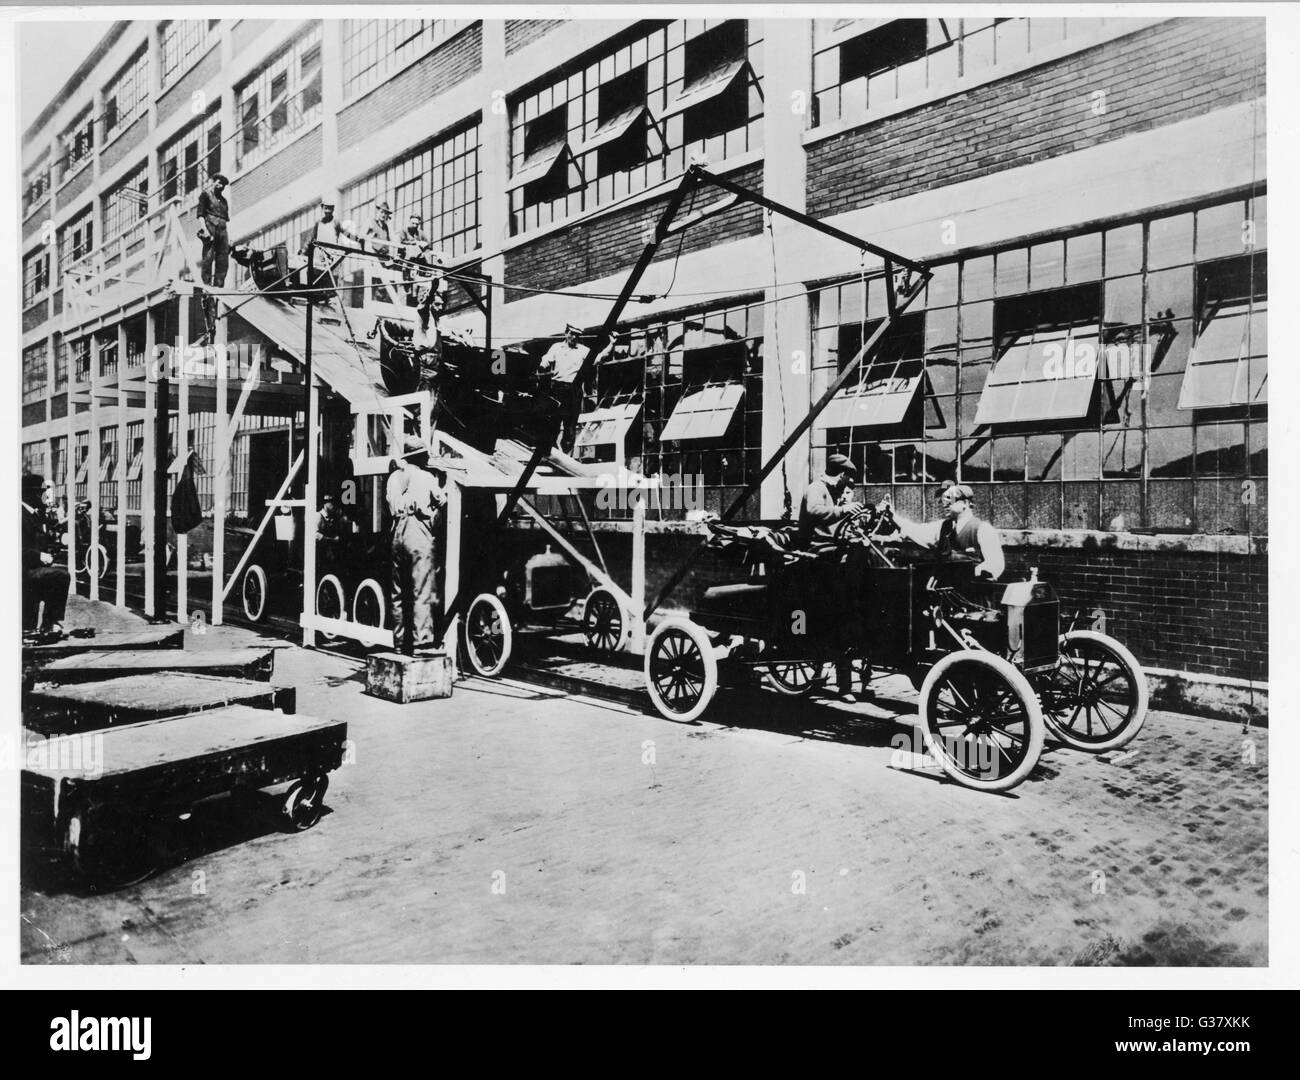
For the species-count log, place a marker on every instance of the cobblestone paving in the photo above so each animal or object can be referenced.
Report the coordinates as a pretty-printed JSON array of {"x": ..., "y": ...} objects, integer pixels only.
[{"x": 512, "y": 824}]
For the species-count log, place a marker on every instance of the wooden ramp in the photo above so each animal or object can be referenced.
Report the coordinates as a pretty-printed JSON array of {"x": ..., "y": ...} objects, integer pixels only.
[
  {"x": 90, "y": 706},
  {"x": 231, "y": 663}
]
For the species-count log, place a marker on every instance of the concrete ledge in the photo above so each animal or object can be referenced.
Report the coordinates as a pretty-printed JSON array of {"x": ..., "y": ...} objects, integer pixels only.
[{"x": 1219, "y": 697}]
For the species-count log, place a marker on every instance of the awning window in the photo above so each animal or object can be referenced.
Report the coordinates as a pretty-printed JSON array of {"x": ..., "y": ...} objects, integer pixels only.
[
  {"x": 82, "y": 469},
  {"x": 609, "y": 424},
  {"x": 616, "y": 127},
  {"x": 882, "y": 399},
  {"x": 1044, "y": 374},
  {"x": 108, "y": 467},
  {"x": 136, "y": 468},
  {"x": 541, "y": 164},
  {"x": 1228, "y": 364},
  {"x": 703, "y": 414},
  {"x": 713, "y": 84}
]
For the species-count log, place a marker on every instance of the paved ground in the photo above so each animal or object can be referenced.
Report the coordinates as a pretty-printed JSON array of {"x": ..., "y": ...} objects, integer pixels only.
[{"x": 512, "y": 824}]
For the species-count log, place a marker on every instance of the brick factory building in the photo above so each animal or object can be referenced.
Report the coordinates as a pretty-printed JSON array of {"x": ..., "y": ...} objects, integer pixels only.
[{"x": 1088, "y": 189}]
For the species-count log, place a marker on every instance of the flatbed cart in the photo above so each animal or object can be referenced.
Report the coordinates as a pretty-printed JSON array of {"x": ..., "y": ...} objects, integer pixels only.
[{"x": 103, "y": 798}]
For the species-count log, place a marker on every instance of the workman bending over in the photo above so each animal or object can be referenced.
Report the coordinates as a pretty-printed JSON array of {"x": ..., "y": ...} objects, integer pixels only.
[
  {"x": 416, "y": 503},
  {"x": 960, "y": 532}
]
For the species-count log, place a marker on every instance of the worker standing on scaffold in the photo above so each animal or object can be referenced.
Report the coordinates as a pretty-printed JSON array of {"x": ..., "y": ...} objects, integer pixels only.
[
  {"x": 416, "y": 502},
  {"x": 561, "y": 365},
  {"x": 214, "y": 224}
]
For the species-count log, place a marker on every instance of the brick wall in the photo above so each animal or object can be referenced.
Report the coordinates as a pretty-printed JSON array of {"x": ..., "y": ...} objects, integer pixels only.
[
  {"x": 1158, "y": 76},
  {"x": 521, "y": 32},
  {"x": 1186, "y": 611},
  {"x": 450, "y": 63},
  {"x": 177, "y": 96},
  {"x": 588, "y": 250},
  {"x": 35, "y": 315},
  {"x": 279, "y": 170},
  {"x": 246, "y": 30},
  {"x": 75, "y": 187},
  {"x": 125, "y": 143}
]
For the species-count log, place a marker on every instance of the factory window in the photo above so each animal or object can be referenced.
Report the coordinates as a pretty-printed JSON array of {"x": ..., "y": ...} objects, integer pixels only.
[
  {"x": 78, "y": 142},
  {"x": 36, "y": 275},
  {"x": 439, "y": 181},
  {"x": 36, "y": 186},
  {"x": 33, "y": 458},
  {"x": 861, "y": 66},
  {"x": 80, "y": 464},
  {"x": 77, "y": 239},
  {"x": 281, "y": 99},
  {"x": 61, "y": 350},
  {"x": 127, "y": 95},
  {"x": 126, "y": 205},
  {"x": 1228, "y": 363},
  {"x": 108, "y": 467},
  {"x": 633, "y": 115},
  {"x": 59, "y": 467},
  {"x": 186, "y": 162},
  {"x": 374, "y": 47},
  {"x": 35, "y": 372},
  {"x": 291, "y": 232},
  {"x": 108, "y": 353},
  {"x": 80, "y": 352},
  {"x": 182, "y": 42},
  {"x": 135, "y": 463}
]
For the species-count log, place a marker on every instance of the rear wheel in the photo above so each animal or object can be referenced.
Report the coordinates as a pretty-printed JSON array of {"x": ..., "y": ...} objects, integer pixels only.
[
  {"x": 253, "y": 593},
  {"x": 1097, "y": 697},
  {"x": 981, "y": 720},
  {"x": 681, "y": 671},
  {"x": 368, "y": 604},
  {"x": 329, "y": 602},
  {"x": 794, "y": 677},
  {"x": 602, "y": 622},
  {"x": 488, "y": 637}
]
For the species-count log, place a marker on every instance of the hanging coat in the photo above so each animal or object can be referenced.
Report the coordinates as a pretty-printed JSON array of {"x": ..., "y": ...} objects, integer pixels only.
[{"x": 186, "y": 511}]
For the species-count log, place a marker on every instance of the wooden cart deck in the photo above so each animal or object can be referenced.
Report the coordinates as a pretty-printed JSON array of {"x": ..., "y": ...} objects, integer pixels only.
[
  {"x": 234, "y": 663},
  {"x": 61, "y": 710},
  {"x": 164, "y": 637}
]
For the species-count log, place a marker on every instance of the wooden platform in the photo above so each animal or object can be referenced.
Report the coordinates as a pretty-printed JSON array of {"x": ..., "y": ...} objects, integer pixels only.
[
  {"x": 161, "y": 637},
  {"x": 90, "y": 706},
  {"x": 232, "y": 663}
]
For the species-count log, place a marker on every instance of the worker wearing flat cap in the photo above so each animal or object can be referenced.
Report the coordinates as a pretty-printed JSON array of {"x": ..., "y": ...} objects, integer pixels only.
[
  {"x": 959, "y": 532},
  {"x": 416, "y": 502},
  {"x": 563, "y": 364}
]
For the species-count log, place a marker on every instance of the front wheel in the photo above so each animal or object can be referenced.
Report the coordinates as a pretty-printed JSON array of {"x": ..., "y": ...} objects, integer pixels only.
[
  {"x": 793, "y": 677},
  {"x": 488, "y": 636},
  {"x": 330, "y": 603},
  {"x": 603, "y": 624},
  {"x": 368, "y": 604},
  {"x": 681, "y": 670},
  {"x": 253, "y": 593},
  {"x": 981, "y": 720},
  {"x": 1096, "y": 698}
]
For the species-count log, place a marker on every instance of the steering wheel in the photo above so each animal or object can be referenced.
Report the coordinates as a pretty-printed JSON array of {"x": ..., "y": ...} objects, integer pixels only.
[{"x": 855, "y": 528}]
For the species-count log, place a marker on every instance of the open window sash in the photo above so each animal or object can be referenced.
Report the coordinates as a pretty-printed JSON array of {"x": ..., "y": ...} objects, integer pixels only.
[
  {"x": 608, "y": 424},
  {"x": 703, "y": 414},
  {"x": 618, "y": 126},
  {"x": 1228, "y": 363},
  {"x": 542, "y": 164},
  {"x": 882, "y": 399},
  {"x": 711, "y": 86},
  {"x": 1042, "y": 375}
]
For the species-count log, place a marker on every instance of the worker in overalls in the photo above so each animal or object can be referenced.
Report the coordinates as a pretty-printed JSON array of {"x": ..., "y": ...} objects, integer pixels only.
[{"x": 415, "y": 502}]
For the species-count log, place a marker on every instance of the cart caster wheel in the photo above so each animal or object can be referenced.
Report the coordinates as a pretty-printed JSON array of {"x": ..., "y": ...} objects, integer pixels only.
[
  {"x": 109, "y": 850},
  {"x": 603, "y": 624},
  {"x": 304, "y": 803}
]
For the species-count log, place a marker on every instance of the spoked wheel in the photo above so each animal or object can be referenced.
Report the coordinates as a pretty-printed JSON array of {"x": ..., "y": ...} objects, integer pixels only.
[
  {"x": 981, "y": 720},
  {"x": 602, "y": 622},
  {"x": 1096, "y": 699},
  {"x": 330, "y": 603},
  {"x": 488, "y": 636},
  {"x": 110, "y": 849},
  {"x": 368, "y": 604},
  {"x": 254, "y": 593},
  {"x": 304, "y": 803},
  {"x": 681, "y": 671},
  {"x": 794, "y": 677}
]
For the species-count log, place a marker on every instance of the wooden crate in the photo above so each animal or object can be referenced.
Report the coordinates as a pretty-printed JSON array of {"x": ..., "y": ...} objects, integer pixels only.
[{"x": 399, "y": 678}]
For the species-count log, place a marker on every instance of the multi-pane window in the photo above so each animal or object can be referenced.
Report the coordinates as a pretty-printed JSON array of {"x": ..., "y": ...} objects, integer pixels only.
[
  {"x": 127, "y": 204},
  {"x": 183, "y": 41},
  {"x": 36, "y": 274},
  {"x": 281, "y": 99},
  {"x": 78, "y": 142},
  {"x": 134, "y": 463},
  {"x": 439, "y": 181},
  {"x": 77, "y": 238},
  {"x": 61, "y": 351},
  {"x": 290, "y": 231},
  {"x": 35, "y": 372},
  {"x": 107, "y": 353},
  {"x": 127, "y": 95},
  {"x": 80, "y": 465},
  {"x": 79, "y": 350},
  {"x": 108, "y": 467},
  {"x": 634, "y": 116},
  {"x": 1113, "y": 378},
  {"x": 33, "y": 458},
  {"x": 374, "y": 47},
  {"x": 59, "y": 467},
  {"x": 861, "y": 66},
  {"x": 36, "y": 186},
  {"x": 186, "y": 162}
]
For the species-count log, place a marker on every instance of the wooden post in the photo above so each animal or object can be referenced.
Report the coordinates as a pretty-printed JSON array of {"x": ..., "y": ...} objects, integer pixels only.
[
  {"x": 182, "y": 448},
  {"x": 70, "y": 476},
  {"x": 220, "y": 475},
  {"x": 309, "y": 444},
  {"x": 451, "y": 573},
  {"x": 122, "y": 450},
  {"x": 158, "y": 478},
  {"x": 637, "y": 641},
  {"x": 149, "y": 464},
  {"x": 92, "y": 473}
]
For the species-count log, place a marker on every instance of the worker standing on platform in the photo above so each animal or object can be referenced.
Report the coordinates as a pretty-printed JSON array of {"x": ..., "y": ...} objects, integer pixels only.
[
  {"x": 214, "y": 232},
  {"x": 416, "y": 502},
  {"x": 562, "y": 364}
]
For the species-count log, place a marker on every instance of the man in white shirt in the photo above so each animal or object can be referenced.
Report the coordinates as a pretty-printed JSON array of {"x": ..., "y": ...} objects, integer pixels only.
[
  {"x": 563, "y": 363},
  {"x": 960, "y": 531}
]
